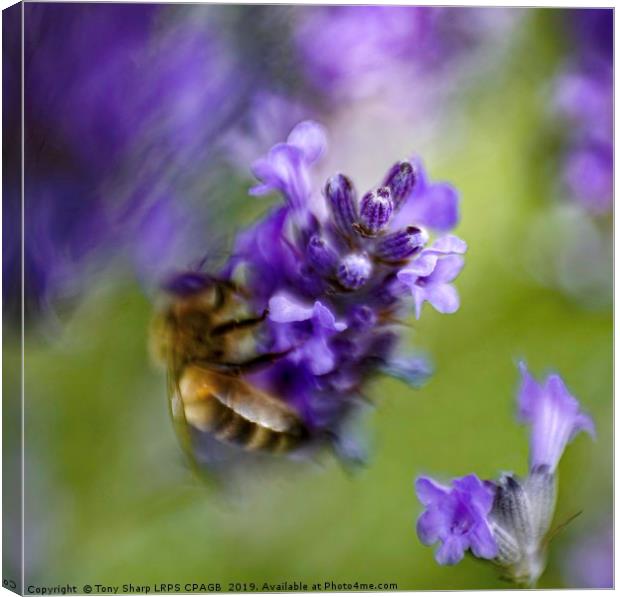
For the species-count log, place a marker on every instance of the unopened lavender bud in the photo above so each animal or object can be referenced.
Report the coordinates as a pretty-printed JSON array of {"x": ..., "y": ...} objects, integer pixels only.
[
  {"x": 402, "y": 244},
  {"x": 361, "y": 318},
  {"x": 354, "y": 271},
  {"x": 340, "y": 196},
  {"x": 321, "y": 256},
  {"x": 376, "y": 210},
  {"x": 400, "y": 179}
]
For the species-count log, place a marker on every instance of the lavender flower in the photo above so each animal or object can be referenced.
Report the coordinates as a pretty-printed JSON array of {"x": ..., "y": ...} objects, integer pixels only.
[
  {"x": 429, "y": 276},
  {"x": 590, "y": 562},
  {"x": 109, "y": 141},
  {"x": 313, "y": 338},
  {"x": 325, "y": 270},
  {"x": 457, "y": 517},
  {"x": 516, "y": 512},
  {"x": 285, "y": 168},
  {"x": 554, "y": 415},
  {"x": 406, "y": 55},
  {"x": 584, "y": 101}
]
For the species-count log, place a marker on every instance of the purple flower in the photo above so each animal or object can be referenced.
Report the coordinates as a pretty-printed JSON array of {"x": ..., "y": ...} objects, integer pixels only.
[
  {"x": 457, "y": 517},
  {"x": 313, "y": 338},
  {"x": 346, "y": 50},
  {"x": 588, "y": 174},
  {"x": 430, "y": 274},
  {"x": 285, "y": 168},
  {"x": 583, "y": 97},
  {"x": 590, "y": 562},
  {"x": 113, "y": 95},
  {"x": 555, "y": 417},
  {"x": 584, "y": 102}
]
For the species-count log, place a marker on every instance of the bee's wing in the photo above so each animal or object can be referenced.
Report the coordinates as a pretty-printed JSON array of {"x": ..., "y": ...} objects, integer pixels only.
[
  {"x": 246, "y": 400},
  {"x": 259, "y": 407},
  {"x": 177, "y": 413}
]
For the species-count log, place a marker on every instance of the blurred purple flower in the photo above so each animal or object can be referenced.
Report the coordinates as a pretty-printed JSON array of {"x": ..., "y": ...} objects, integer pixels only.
[
  {"x": 351, "y": 50},
  {"x": 584, "y": 100},
  {"x": 285, "y": 168},
  {"x": 593, "y": 30},
  {"x": 457, "y": 517},
  {"x": 590, "y": 562},
  {"x": 554, "y": 415},
  {"x": 588, "y": 174},
  {"x": 113, "y": 95}
]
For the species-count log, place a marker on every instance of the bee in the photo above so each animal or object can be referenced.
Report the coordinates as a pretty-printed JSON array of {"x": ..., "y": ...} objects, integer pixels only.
[{"x": 207, "y": 339}]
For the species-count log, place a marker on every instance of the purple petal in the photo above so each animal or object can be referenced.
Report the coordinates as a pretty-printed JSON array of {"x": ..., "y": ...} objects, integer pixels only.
[
  {"x": 413, "y": 370},
  {"x": 480, "y": 494},
  {"x": 561, "y": 395},
  {"x": 429, "y": 526},
  {"x": 443, "y": 297},
  {"x": 285, "y": 309},
  {"x": 448, "y": 244},
  {"x": 318, "y": 355},
  {"x": 447, "y": 268},
  {"x": 310, "y": 137},
  {"x": 482, "y": 543},
  {"x": 264, "y": 171},
  {"x": 285, "y": 160},
  {"x": 284, "y": 170},
  {"x": 428, "y": 490},
  {"x": 452, "y": 551},
  {"x": 437, "y": 207},
  {"x": 326, "y": 318},
  {"x": 555, "y": 417},
  {"x": 529, "y": 394},
  {"x": 420, "y": 267}
]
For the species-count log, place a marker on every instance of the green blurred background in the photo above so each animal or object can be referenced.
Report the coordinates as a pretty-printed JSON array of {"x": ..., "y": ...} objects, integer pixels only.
[{"x": 111, "y": 500}]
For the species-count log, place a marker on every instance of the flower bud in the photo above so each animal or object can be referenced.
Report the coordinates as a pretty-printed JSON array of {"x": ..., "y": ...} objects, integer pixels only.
[
  {"x": 362, "y": 318},
  {"x": 321, "y": 256},
  {"x": 376, "y": 210},
  {"x": 354, "y": 271},
  {"x": 400, "y": 179},
  {"x": 402, "y": 244},
  {"x": 340, "y": 196}
]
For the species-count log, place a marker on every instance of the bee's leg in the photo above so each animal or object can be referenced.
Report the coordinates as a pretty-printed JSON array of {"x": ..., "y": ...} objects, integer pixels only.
[{"x": 238, "y": 324}]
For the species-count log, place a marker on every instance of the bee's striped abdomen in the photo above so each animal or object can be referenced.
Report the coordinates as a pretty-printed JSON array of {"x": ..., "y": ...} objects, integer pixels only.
[{"x": 237, "y": 413}]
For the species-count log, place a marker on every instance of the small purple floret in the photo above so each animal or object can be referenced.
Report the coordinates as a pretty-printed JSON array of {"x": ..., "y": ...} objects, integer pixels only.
[
  {"x": 429, "y": 275},
  {"x": 457, "y": 517},
  {"x": 555, "y": 417}
]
